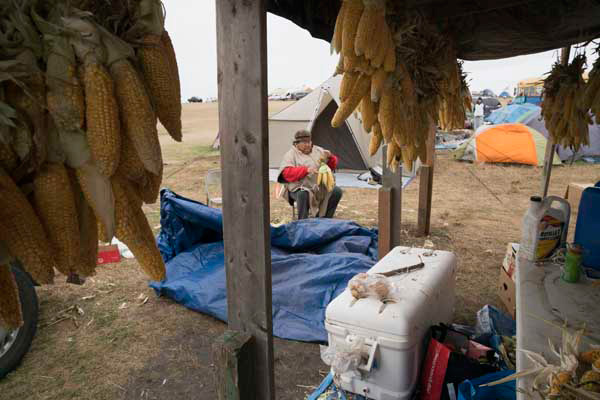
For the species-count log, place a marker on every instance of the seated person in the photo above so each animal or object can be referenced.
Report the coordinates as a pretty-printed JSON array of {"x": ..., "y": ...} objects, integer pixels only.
[{"x": 298, "y": 171}]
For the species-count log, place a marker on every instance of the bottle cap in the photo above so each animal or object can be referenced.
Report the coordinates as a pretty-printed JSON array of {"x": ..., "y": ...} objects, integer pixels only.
[{"x": 535, "y": 198}]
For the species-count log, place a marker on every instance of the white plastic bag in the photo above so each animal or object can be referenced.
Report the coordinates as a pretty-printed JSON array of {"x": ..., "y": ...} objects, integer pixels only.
[
  {"x": 344, "y": 358},
  {"x": 372, "y": 285}
]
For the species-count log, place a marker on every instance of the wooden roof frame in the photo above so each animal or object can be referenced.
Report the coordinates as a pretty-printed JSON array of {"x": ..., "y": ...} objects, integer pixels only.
[{"x": 245, "y": 358}]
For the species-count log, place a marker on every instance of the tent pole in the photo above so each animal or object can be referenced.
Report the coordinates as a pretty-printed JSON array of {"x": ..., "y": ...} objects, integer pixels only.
[
  {"x": 550, "y": 144},
  {"x": 246, "y": 365}
]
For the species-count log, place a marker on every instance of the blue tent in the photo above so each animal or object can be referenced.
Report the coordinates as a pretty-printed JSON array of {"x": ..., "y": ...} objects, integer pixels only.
[
  {"x": 504, "y": 94},
  {"x": 513, "y": 113},
  {"x": 312, "y": 262}
]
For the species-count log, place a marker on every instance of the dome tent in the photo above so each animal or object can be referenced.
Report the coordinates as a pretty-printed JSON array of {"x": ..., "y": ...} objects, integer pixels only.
[
  {"x": 505, "y": 143},
  {"x": 314, "y": 112},
  {"x": 530, "y": 115}
]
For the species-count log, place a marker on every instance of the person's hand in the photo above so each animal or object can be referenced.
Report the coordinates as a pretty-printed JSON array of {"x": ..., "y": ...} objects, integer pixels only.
[
  {"x": 312, "y": 171},
  {"x": 327, "y": 153}
]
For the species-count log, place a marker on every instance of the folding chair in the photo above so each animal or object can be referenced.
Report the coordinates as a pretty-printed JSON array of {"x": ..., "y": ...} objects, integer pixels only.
[{"x": 212, "y": 184}]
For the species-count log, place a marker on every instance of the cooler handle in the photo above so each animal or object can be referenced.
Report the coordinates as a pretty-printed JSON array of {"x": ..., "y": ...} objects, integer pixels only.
[{"x": 373, "y": 344}]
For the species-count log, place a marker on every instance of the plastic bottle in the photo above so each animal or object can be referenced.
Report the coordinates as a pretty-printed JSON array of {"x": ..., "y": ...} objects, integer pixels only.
[
  {"x": 572, "y": 268},
  {"x": 544, "y": 227},
  {"x": 529, "y": 229}
]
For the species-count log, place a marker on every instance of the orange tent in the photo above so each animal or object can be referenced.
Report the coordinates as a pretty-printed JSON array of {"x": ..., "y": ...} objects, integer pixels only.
[{"x": 505, "y": 143}]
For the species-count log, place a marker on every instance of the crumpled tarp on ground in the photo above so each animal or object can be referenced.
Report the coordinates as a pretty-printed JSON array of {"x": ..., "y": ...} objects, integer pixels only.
[{"x": 312, "y": 262}]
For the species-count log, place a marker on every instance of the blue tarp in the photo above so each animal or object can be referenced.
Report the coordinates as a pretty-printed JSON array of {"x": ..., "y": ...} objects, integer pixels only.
[{"x": 312, "y": 262}]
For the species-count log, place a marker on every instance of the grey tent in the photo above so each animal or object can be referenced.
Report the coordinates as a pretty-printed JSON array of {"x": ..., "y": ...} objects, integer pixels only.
[{"x": 314, "y": 112}]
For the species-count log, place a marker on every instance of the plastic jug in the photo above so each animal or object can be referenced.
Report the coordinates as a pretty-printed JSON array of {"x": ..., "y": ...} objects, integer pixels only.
[
  {"x": 588, "y": 227},
  {"x": 544, "y": 228}
]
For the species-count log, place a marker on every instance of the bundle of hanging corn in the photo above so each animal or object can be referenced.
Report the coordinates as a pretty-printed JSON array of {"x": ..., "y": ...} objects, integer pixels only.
[
  {"x": 565, "y": 108},
  {"x": 82, "y": 84},
  {"x": 402, "y": 73},
  {"x": 592, "y": 91}
]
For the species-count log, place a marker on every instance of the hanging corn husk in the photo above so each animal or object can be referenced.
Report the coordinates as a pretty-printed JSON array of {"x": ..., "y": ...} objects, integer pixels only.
[
  {"x": 408, "y": 68},
  {"x": 564, "y": 106}
]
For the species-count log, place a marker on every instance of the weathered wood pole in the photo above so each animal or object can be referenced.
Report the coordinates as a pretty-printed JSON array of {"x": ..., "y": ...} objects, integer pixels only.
[
  {"x": 242, "y": 79},
  {"x": 390, "y": 208},
  {"x": 426, "y": 185}
]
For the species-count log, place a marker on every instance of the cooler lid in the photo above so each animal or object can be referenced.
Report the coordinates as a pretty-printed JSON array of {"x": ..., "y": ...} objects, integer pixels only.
[{"x": 409, "y": 314}]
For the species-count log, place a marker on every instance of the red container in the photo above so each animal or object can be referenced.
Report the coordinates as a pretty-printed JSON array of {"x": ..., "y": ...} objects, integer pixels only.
[{"x": 108, "y": 254}]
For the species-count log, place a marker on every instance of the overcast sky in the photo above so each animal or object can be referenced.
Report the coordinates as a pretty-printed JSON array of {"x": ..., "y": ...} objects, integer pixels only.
[{"x": 296, "y": 59}]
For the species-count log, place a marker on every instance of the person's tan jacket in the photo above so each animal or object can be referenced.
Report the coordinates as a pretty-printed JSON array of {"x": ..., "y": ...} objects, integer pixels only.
[{"x": 318, "y": 195}]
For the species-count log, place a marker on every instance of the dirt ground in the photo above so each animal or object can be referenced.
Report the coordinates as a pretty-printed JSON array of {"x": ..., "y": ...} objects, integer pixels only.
[{"x": 112, "y": 338}]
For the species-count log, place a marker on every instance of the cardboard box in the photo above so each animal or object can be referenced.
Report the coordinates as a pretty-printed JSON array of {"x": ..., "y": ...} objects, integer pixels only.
[
  {"x": 573, "y": 193},
  {"x": 510, "y": 260},
  {"x": 108, "y": 254},
  {"x": 507, "y": 293}
]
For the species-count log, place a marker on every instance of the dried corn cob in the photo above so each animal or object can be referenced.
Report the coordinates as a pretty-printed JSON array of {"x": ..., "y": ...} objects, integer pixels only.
[
  {"x": 368, "y": 112},
  {"x": 162, "y": 81},
  {"x": 557, "y": 381},
  {"x": 377, "y": 83},
  {"x": 149, "y": 192},
  {"x": 366, "y": 29},
  {"x": 352, "y": 14},
  {"x": 591, "y": 381},
  {"x": 102, "y": 116},
  {"x": 88, "y": 230},
  {"x": 133, "y": 229},
  {"x": 137, "y": 115},
  {"x": 378, "y": 36},
  {"x": 55, "y": 205},
  {"x": 382, "y": 49},
  {"x": 389, "y": 62},
  {"x": 590, "y": 356},
  {"x": 22, "y": 232},
  {"x": 360, "y": 89},
  {"x": 10, "y": 305},
  {"x": 386, "y": 113},
  {"x": 348, "y": 81},
  {"x": 376, "y": 139},
  {"x": 336, "y": 41}
]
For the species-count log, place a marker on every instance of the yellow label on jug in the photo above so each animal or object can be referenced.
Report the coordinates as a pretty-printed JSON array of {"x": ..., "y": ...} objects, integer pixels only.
[{"x": 550, "y": 233}]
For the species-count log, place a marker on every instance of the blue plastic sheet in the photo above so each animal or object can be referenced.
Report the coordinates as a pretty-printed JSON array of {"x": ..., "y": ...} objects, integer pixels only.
[
  {"x": 471, "y": 389},
  {"x": 312, "y": 262}
]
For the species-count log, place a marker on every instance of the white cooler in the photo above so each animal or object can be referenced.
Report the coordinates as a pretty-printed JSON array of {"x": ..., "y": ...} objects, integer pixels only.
[{"x": 394, "y": 333}]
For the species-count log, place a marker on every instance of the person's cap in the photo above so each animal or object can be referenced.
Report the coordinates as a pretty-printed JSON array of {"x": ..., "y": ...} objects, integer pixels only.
[{"x": 301, "y": 136}]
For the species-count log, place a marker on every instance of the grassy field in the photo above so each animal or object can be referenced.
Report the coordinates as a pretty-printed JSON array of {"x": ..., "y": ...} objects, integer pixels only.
[{"x": 125, "y": 343}]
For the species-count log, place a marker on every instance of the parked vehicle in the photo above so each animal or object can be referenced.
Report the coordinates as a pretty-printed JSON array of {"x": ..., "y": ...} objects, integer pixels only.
[
  {"x": 298, "y": 95},
  {"x": 14, "y": 344},
  {"x": 194, "y": 99}
]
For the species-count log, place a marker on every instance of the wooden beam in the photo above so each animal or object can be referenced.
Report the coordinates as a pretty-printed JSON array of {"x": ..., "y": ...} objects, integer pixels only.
[
  {"x": 242, "y": 79},
  {"x": 390, "y": 212},
  {"x": 234, "y": 374},
  {"x": 550, "y": 145},
  {"x": 426, "y": 185},
  {"x": 425, "y": 191},
  {"x": 385, "y": 219}
]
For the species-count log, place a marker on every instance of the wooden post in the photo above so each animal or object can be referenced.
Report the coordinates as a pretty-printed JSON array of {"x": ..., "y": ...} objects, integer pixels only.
[
  {"x": 550, "y": 145},
  {"x": 232, "y": 356},
  {"x": 390, "y": 208},
  {"x": 426, "y": 185},
  {"x": 242, "y": 78}
]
